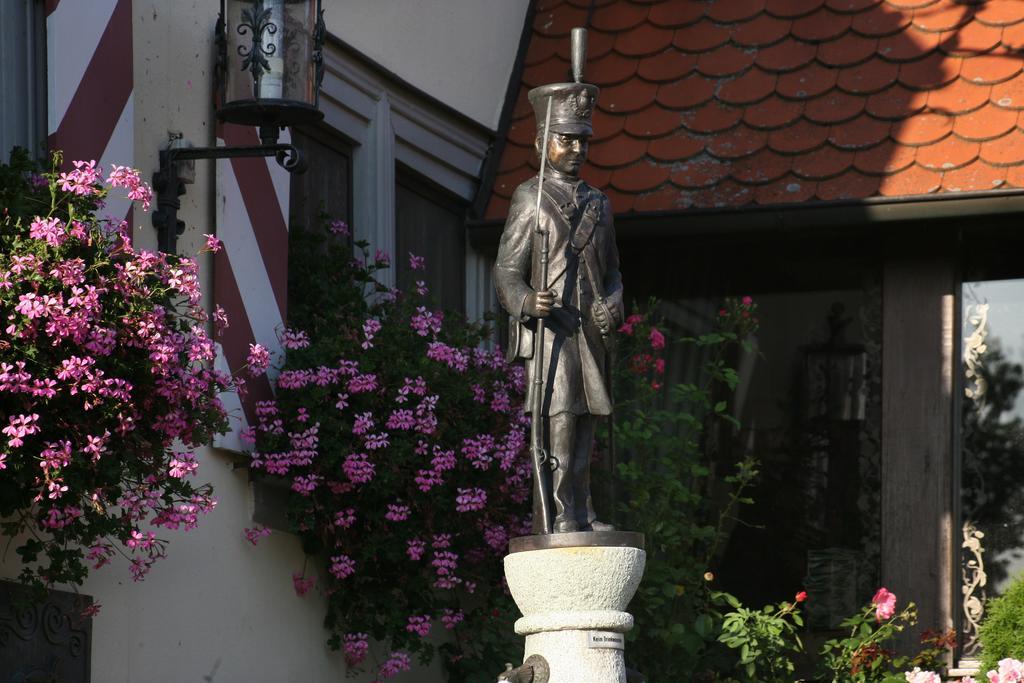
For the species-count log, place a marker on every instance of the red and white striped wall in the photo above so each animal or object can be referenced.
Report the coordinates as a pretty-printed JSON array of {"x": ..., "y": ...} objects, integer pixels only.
[
  {"x": 89, "y": 88},
  {"x": 90, "y": 116},
  {"x": 251, "y": 272}
]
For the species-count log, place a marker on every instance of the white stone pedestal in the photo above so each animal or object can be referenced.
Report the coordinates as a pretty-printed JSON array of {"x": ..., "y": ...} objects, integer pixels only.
[{"x": 573, "y": 591}]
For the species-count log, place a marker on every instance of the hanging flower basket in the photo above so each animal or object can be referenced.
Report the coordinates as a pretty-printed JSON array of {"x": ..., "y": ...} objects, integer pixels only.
[{"x": 106, "y": 382}]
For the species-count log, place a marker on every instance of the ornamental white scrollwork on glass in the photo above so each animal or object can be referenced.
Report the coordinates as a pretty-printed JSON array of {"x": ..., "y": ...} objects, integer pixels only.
[
  {"x": 974, "y": 348},
  {"x": 973, "y": 586}
]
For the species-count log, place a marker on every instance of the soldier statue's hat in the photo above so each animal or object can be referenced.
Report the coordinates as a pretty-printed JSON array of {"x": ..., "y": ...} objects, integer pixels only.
[{"x": 571, "y": 107}]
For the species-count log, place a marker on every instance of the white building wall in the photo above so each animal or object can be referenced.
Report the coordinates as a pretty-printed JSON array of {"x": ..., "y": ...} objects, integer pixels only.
[
  {"x": 218, "y": 609},
  {"x": 458, "y": 51}
]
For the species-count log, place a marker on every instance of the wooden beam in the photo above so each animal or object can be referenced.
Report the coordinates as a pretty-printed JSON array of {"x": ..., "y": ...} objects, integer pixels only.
[{"x": 917, "y": 445}]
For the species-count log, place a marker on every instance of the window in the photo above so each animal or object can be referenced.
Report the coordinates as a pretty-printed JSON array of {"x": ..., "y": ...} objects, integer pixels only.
[
  {"x": 429, "y": 223},
  {"x": 22, "y": 76},
  {"x": 413, "y": 156},
  {"x": 809, "y": 402},
  {"x": 991, "y": 425}
]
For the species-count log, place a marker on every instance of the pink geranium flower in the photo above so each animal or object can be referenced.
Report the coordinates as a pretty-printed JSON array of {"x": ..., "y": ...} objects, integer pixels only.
[
  {"x": 356, "y": 646},
  {"x": 301, "y": 584},
  {"x": 259, "y": 359},
  {"x": 213, "y": 243},
  {"x": 342, "y": 566},
  {"x": 397, "y": 663},
  {"x": 419, "y": 624},
  {"x": 81, "y": 181},
  {"x": 257, "y": 532}
]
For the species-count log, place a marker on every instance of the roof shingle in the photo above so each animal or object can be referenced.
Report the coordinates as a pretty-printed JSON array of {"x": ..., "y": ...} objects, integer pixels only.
[{"x": 712, "y": 103}]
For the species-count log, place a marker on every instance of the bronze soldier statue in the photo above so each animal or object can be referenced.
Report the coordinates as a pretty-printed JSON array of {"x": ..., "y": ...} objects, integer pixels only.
[{"x": 557, "y": 275}]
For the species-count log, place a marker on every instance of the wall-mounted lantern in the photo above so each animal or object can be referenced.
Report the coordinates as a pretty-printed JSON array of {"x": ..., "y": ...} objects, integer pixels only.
[{"x": 268, "y": 74}]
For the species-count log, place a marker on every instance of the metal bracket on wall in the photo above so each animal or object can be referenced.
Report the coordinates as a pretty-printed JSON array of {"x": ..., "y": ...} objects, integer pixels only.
[{"x": 169, "y": 186}]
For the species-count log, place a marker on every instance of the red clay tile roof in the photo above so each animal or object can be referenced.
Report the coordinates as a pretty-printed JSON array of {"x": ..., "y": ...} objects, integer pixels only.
[{"x": 728, "y": 103}]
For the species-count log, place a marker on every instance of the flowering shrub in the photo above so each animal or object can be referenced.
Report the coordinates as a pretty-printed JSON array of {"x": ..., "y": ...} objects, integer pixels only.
[
  {"x": 861, "y": 657},
  {"x": 406, "y": 450},
  {"x": 105, "y": 379}
]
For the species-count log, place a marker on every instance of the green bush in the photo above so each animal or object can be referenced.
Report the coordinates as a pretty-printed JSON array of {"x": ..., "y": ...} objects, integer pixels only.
[
  {"x": 1002, "y": 632},
  {"x": 678, "y": 489}
]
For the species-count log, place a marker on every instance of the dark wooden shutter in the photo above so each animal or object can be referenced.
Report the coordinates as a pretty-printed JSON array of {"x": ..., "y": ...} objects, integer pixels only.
[{"x": 327, "y": 184}]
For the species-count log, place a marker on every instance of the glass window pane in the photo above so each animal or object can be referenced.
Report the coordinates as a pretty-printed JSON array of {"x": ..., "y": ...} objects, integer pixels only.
[
  {"x": 22, "y": 77},
  {"x": 429, "y": 223},
  {"x": 811, "y": 412},
  {"x": 992, "y": 433}
]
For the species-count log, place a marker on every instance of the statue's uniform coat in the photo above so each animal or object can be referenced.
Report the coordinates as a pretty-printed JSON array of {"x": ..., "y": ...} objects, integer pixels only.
[{"x": 574, "y": 351}]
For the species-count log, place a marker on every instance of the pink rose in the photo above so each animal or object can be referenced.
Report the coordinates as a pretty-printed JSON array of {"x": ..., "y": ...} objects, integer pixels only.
[
  {"x": 1010, "y": 670},
  {"x": 632, "y": 320},
  {"x": 885, "y": 604},
  {"x": 918, "y": 676},
  {"x": 657, "y": 339}
]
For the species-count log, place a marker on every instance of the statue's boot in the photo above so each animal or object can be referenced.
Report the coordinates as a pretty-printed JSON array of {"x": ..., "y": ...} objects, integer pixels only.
[
  {"x": 565, "y": 526},
  {"x": 562, "y": 432},
  {"x": 586, "y": 426}
]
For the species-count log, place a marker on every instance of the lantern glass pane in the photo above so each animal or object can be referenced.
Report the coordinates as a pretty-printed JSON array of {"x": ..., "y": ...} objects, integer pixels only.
[{"x": 270, "y": 45}]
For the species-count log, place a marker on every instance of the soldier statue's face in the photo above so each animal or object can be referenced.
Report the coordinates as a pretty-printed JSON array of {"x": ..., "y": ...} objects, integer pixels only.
[{"x": 567, "y": 152}]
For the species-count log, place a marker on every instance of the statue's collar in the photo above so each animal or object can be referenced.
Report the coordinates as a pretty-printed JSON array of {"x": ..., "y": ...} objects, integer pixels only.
[{"x": 552, "y": 174}]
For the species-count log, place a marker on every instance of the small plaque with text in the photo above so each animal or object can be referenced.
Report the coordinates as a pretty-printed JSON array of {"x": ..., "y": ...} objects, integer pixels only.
[{"x": 606, "y": 639}]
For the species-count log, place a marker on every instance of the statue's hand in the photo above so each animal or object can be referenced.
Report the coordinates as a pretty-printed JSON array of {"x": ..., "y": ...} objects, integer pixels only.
[
  {"x": 539, "y": 304},
  {"x": 599, "y": 314}
]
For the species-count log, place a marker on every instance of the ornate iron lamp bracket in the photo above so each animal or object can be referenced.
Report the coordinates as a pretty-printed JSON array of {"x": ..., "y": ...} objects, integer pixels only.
[
  {"x": 256, "y": 20},
  {"x": 169, "y": 186},
  {"x": 279, "y": 46},
  {"x": 318, "y": 49}
]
